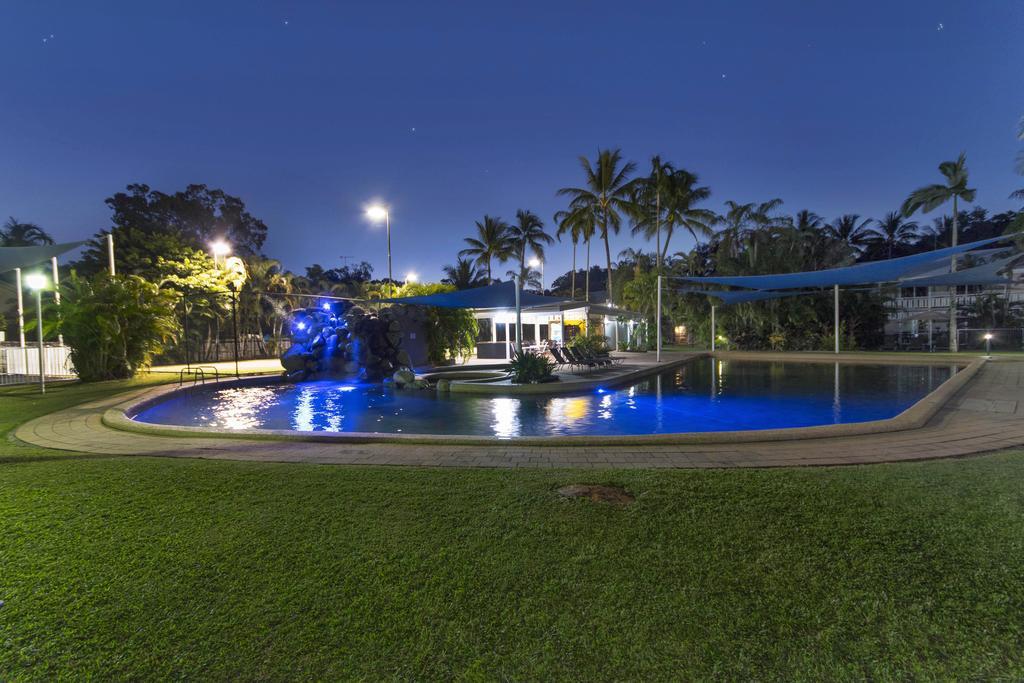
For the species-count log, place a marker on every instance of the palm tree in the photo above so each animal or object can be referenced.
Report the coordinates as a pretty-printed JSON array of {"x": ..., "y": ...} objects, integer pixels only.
[
  {"x": 607, "y": 192},
  {"x": 741, "y": 220},
  {"x": 579, "y": 224},
  {"x": 463, "y": 275},
  {"x": 491, "y": 242},
  {"x": 17, "y": 234},
  {"x": 850, "y": 230},
  {"x": 675, "y": 193},
  {"x": 929, "y": 197},
  {"x": 528, "y": 233},
  {"x": 1018, "y": 222},
  {"x": 893, "y": 231}
]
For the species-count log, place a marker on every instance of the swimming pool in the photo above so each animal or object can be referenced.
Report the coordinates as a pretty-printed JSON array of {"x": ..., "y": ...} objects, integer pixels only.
[{"x": 703, "y": 395}]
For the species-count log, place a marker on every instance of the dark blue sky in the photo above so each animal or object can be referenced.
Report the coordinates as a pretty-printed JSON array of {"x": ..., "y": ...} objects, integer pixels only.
[{"x": 452, "y": 110}]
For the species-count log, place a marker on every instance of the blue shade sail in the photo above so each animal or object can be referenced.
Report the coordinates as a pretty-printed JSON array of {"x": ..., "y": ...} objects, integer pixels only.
[
  {"x": 500, "y": 295},
  {"x": 23, "y": 257},
  {"x": 860, "y": 274},
  {"x": 985, "y": 274},
  {"x": 745, "y": 297}
]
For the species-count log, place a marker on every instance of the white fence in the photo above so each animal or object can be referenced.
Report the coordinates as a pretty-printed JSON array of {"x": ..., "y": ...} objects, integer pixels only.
[{"x": 21, "y": 364}]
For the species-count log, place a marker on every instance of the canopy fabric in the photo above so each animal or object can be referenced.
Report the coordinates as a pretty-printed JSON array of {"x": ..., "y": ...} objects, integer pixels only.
[
  {"x": 730, "y": 298},
  {"x": 860, "y": 274},
  {"x": 985, "y": 274},
  {"x": 592, "y": 308},
  {"x": 23, "y": 257},
  {"x": 500, "y": 295}
]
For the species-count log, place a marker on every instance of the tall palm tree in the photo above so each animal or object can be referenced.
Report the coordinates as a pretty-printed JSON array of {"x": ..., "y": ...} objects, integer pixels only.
[
  {"x": 492, "y": 242},
  {"x": 463, "y": 275},
  {"x": 527, "y": 233},
  {"x": 17, "y": 234},
  {"x": 741, "y": 220},
  {"x": 850, "y": 230},
  {"x": 675, "y": 192},
  {"x": 893, "y": 231},
  {"x": 579, "y": 224},
  {"x": 646, "y": 199},
  {"x": 929, "y": 197},
  {"x": 607, "y": 191}
]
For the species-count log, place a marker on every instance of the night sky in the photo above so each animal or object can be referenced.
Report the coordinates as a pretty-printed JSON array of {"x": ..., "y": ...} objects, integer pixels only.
[{"x": 451, "y": 110}]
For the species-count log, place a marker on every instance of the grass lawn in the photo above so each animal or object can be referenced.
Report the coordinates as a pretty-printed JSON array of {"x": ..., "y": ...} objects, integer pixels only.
[{"x": 134, "y": 568}]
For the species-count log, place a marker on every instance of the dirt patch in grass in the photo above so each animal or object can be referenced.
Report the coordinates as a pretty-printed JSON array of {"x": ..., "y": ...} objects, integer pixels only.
[{"x": 598, "y": 493}]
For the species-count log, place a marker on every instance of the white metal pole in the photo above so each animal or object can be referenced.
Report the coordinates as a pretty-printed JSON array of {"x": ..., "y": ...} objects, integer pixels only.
[
  {"x": 39, "y": 332},
  {"x": 56, "y": 293},
  {"x": 712, "y": 329},
  {"x": 110, "y": 253},
  {"x": 657, "y": 321},
  {"x": 835, "y": 291},
  {"x": 387, "y": 222},
  {"x": 519, "y": 318},
  {"x": 21, "y": 309}
]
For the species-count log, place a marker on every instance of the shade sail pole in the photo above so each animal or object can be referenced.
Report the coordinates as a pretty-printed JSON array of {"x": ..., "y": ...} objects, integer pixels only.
[
  {"x": 519, "y": 318},
  {"x": 56, "y": 292},
  {"x": 712, "y": 329},
  {"x": 657, "y": 320},
  {"x": 835, "y": 291},
  {"x": 110, "y": 253},
  {"x": 21, "y": 308}
]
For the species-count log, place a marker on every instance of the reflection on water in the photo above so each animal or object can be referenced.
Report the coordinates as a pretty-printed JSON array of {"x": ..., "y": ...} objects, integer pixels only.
[
  {"x": 506, "y": 417},
  {"x": 703, "y": 395},
  {"x": 241, "y": 408}
]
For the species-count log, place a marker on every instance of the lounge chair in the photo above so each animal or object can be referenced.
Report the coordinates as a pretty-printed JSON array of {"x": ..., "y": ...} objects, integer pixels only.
[
  {"x": 560, "y": 360},
  {"x": 577, "y": 356}
]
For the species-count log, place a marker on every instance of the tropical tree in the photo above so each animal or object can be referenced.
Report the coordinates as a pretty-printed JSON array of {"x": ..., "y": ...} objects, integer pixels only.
[
  {"x": 1018, "y": 223},
  {"x": 929, "y": 197},
  {"x": 741, "y": 221},
  {"x": 14, "y": 233},
  {"x": 527, "y": 233},
  {"x": 607, "y": 192},
  {"x": 891, "y": 233},
  {"x": 114, "y": 325},
  {"x": 580, "y": 224},
  {"x": 463, "y": 275},
  {"x": 851, "y": 231},
  {"x": 675, "y": 193},
  {"x": 491, "y": 242}
]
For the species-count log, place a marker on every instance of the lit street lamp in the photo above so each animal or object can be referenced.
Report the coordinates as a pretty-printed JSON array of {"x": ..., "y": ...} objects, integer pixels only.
[
  {"x": 537, "y": 263},
  {"x": 378, "y": 212},
  {"x": 988, "y": 344},
  {"x": 412, "y": 277},
  {"x": 220, "y": 249},
  {"x": 37, "y": 281}
]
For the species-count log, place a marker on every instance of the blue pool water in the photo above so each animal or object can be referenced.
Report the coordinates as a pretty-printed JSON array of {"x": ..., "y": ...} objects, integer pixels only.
[{"x": 703, "y": 395}]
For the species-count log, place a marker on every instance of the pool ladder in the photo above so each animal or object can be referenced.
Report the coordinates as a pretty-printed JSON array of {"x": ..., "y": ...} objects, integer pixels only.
[{"x": 199, "y": 373}]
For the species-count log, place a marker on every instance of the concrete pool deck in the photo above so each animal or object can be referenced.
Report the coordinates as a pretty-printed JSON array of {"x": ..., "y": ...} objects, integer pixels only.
[{"x": 983, "y": 415}]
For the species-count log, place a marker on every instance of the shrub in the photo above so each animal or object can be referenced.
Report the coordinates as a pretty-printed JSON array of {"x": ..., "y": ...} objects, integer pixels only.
[
  {"x": 592, "y": 343},
  {"x": 114, "y": 325},
  {"x": 531, "y": 368}
]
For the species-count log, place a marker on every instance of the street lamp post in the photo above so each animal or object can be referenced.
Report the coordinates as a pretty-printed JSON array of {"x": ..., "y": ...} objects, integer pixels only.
[
  {"x": 988, "y": 344},
  {"x": 377, "y": 213},
  {"x": 37, "y": 281}
]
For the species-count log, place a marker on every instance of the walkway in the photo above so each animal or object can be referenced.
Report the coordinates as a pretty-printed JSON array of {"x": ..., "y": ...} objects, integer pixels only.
[{"x": 985, "y": 416}]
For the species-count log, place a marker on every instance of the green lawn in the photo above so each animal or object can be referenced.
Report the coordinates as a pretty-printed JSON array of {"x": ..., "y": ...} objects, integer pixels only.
[{"x": 136, "y": 568}]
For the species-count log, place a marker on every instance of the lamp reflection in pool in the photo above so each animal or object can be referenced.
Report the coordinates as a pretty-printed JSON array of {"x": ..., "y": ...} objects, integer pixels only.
[{"x": 506, "y": 417}]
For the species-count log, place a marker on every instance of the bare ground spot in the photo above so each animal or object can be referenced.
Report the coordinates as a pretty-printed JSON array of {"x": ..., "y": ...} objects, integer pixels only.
[{"x": 597, "y": 493}]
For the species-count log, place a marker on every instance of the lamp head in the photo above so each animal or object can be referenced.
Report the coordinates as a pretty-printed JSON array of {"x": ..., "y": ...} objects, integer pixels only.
[
  {"x": 535, "y": 262},
  {"x": 220, "y": 248},
  {"x": 411, "y": 277},
  {"x": 988, "y": 336},
  {"x": 376, "y": 212},
  {"x": 36, "y": 281}
]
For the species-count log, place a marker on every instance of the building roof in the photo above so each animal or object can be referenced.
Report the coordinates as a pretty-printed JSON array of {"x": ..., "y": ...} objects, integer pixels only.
[{"x": 500, "y": 295}]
